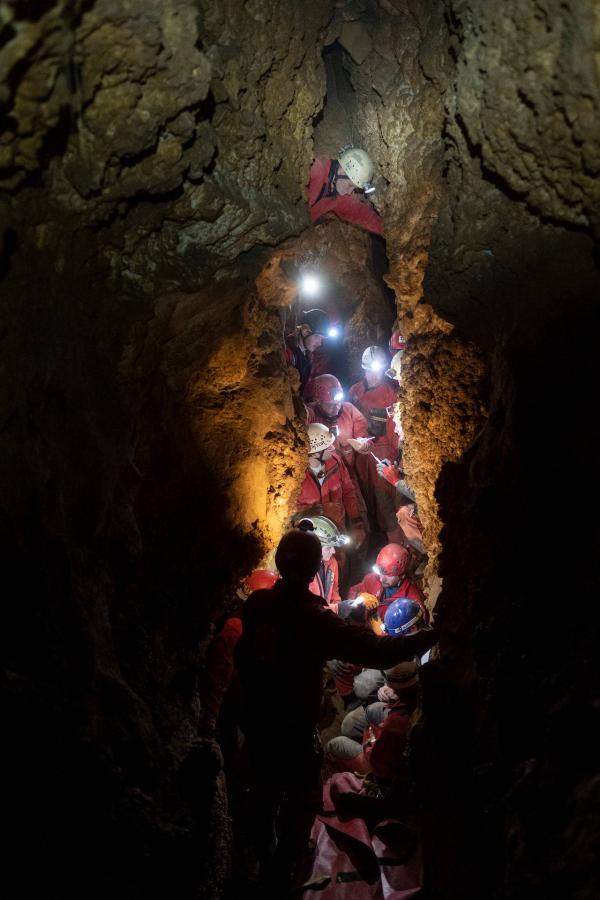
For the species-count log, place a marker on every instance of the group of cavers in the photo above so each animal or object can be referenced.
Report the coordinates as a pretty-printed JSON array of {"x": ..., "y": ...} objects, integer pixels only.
[{"x": 292, "y": 632}]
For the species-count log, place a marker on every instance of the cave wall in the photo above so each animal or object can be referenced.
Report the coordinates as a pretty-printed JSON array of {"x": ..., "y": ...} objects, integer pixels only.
[
  {"x": 513, "y": 265},
  {"x": 150, "y": 155},
  {"x": 396, "y": 61}
]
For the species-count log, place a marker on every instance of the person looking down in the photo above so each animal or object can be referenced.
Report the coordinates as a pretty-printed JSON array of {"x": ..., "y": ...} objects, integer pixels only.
[
  {"x": 327, "y": 488},
  {"x": 330, "y": 409},
  {"x": 312, "y": 329},
  {"x": 341, "y": 186}
]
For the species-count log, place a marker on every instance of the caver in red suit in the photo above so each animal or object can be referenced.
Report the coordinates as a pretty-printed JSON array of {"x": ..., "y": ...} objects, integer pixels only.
[
  {"x": 219, "y": 676},
  {"x": 326, "y": 583},
  {"x": 371, "y": 584},
  {"x": 350, "y": 423},
  {"x": 324, "y": 199},
  {"x": 379, "y": 495},
  {"x": 337, "y": 495},
  {"x": 393, "y": 561}
]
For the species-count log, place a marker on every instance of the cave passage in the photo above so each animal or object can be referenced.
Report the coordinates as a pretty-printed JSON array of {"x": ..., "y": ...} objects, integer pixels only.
[
  {"x": 173, "y": 173},
  {"x": 344, "y": 352}
]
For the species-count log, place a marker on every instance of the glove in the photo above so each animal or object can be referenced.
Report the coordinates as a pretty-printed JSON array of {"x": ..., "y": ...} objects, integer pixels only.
[
  {"x": 389, "y": 472},
  {"x": 369, "y": 601},
  {"x": 376, "y": 625}
]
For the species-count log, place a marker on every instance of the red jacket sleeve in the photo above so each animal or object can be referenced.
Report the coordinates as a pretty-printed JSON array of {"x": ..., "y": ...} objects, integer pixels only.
[
  {"x": 360, "y": 427},
  {"x": 349, "y": 493},
  {"x": 369, "y": 585}
]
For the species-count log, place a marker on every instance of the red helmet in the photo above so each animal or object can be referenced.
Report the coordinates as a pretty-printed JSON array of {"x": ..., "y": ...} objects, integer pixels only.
[
  {"x": 397, "y": 342},
  {"x": 259, "y": 580},
  {"x": 392, "y": 560},
  {"x": 327, "y": 389}
]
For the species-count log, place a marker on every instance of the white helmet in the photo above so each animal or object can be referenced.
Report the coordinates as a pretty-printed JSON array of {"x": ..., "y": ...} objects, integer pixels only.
[
  {"x": 394, "y": 369},
  {"x": 326, "y": 530},
  {"x": 319, "y": 437},
  {"x": 374, "y": 359},
  {"x": 358, "y": 166}
]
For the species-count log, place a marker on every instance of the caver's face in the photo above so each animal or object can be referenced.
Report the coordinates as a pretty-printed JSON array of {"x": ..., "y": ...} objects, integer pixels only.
[
  {"x": 389, "y": 580},
  {"x": 373, "y": 378},
  {"x": 343, "y": 185},
  {"x": 313, "y": 341},
  {"x": 327, "y": 553},
  {"x": 330, "y": 409}
]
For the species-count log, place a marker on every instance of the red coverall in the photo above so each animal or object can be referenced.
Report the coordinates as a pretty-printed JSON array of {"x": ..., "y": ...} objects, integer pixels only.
[
  {"x": 372, "y": 585},
  {"x": 409, "y": 522},
  {"x": 323, "y": 198},
  {"x": 350, "y": 423},
  {"x": 326, "y": 583},
  {"x": 345, "y": 673},
  {"x": 337, "y": 495},
  {"x": 219, "y": 670},
  {"x": 379, "y": 495}
]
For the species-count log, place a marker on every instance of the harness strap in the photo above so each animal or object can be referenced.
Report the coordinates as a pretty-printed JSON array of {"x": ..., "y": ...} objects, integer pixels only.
[{"x": 328, "y": 189}]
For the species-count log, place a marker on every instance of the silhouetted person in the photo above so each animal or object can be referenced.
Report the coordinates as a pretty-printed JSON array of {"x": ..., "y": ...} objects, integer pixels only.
[{"x": 288, "y": 634}]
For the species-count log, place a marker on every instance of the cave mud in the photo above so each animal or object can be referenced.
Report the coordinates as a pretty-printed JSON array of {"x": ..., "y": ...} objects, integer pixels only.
[{"x": 153, "y": 166}]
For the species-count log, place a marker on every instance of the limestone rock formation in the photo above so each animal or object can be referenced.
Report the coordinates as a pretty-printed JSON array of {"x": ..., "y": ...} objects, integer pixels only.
[{"x": 153, "y": 163}]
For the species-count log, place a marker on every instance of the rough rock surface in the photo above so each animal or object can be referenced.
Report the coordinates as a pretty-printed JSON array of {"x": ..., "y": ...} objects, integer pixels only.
[
  {"x": 153, "y": 158},
  {"x": 390, "y": 100},
  {"x": 513, "y": 266},
  {"x": 150, "y": 451}
]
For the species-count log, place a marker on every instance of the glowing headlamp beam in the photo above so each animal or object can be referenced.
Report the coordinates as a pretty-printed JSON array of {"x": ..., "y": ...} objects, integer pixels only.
[
  {"x": 333, "y": 332},
  {"x": 310, "y": 284},
  {"x": 338, "y": 396}
]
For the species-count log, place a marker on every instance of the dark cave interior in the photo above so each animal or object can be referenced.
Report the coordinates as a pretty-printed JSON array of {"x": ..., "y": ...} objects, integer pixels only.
[{"x": 154, "y": 158}]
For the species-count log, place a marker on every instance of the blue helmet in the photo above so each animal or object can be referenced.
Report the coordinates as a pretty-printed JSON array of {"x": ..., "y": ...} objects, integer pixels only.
[{"x": 402, "y": 615}]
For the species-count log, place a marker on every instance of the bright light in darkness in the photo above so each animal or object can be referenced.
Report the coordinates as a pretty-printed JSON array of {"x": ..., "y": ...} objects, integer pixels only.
[
  {"x": 310, "y": 285},
  {"x": 339, "y": 395},
  {"x": 333, "y": 332},
  {"x": 376, "y": 366}
]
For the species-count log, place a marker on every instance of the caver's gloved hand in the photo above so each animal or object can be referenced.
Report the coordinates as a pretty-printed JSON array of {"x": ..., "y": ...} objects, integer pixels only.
[
  {"x": 369, "y": 601},
  {"x": 359, "y": 609},
  {"x": 389, "y": 472}
]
